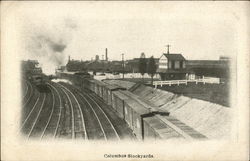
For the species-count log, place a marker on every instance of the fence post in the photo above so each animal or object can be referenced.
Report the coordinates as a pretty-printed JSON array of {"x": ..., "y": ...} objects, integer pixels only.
[
  {"x": 186, "y": 82},
  {"x": 161, "y": 83},
  {"x": 178, "y": 82}
]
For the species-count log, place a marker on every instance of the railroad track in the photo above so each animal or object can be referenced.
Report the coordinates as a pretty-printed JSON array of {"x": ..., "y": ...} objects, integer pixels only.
[
  {"x": 31, "y": 119},
  {"x": 28, "y": 97},
  {"x": 125, "y": 132},
  {"x": 71, "y": 123},
  {"x": 65, "y": 112},
  {"x": 51, "y": 127},
  {"x": 26, "y": 89},
  {"x": 37, "y": 116},
  {"x": 95, "y": 111}
]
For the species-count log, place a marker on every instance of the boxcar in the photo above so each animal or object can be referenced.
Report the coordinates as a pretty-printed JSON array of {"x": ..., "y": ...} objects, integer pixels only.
[
  {"x": 145, "y": 103},
  {"x": 99, "y": 85},
  {"x": 133, "y": 112},
  {"x": 108, "y": 90},
  {"x": 91, "y": 85},
  {"x": 155, "y": 128},
  {"x": 149, "y": 131},
  {"x": 118, "y": 100}
]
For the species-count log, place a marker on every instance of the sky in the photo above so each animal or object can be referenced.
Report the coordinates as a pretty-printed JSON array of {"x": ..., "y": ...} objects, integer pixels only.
[{"x": 51, "y": 31}]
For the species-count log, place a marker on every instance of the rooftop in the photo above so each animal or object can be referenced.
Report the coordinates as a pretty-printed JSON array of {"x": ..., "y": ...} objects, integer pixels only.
[{"x": 174, "y": 56}]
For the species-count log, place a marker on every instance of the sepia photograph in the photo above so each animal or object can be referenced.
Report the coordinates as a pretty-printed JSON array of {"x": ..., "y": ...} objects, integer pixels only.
[{"x": 125, "y": 80}]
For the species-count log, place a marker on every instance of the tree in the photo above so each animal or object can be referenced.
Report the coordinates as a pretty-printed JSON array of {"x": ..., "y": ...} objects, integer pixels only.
[
  {"x": 142, "y": 65},
  {"x": 151, "y": 68}
]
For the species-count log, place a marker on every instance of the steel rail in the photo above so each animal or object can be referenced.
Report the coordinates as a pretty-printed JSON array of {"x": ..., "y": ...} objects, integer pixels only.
[
  {"x": 72, "y": 115},
  {"x": 34, "y": 123},
  {"x": 30, "y": 111},
  {"x": 83, "y": 122},
  {"x": 27, "y": 88},
  {"x": 51, "y": 113},
  {"x": 91, "y": 107},
  {"x": 29, "y": 96},
  {"x": 104, "y": 115},
  {"x": 60, "y": 112}
]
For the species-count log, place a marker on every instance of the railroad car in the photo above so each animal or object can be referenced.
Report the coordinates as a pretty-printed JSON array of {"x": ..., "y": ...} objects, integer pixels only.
[
  {"x": 155, "y": 128},
  {"x": 40, "y": 80},
  {"x": 99, "y": 86},
  {"x": 140, "y": 115},
  {"x": 118, "y": 101},
  {"x": 107, "y": 92},
  {"x": 149, "y": 128},
  {"x": 133, "y": 112},
  {"x": 89, "y": 84}
]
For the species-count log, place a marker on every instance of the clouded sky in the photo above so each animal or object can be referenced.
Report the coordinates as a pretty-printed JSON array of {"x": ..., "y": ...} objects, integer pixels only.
[{"x": 198, "y": 30}]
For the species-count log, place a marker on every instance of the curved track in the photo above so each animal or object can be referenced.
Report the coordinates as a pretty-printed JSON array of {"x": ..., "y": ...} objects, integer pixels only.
[
  {"x": 106, "y": 129},
  {"x": 27, "y": 96},
  {"x": 64, "y": 112}
]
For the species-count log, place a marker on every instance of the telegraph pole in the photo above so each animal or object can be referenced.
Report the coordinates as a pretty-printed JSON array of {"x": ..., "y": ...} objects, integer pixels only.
[
  {"x": 122, "y": 66},
  {"x": 102, "y": 63}
]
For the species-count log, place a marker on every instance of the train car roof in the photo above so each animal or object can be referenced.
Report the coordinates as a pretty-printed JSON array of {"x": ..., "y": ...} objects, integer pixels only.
[
  {"x": 139, "y": 108},
  {"x": 91, "y": 80},
  {"x": 161, "y": 128},
  {"x": 99, "y": 82},
  {"x": 120, "y": 95},
  {"x": 114, "y": 87},
  {"x": 145, "y": 103}
]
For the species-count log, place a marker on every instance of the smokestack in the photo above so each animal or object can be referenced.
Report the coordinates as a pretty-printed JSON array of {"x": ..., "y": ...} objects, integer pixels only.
[
  {"x": 106, "y": 52},
  {"x": 69, "y": 59}
]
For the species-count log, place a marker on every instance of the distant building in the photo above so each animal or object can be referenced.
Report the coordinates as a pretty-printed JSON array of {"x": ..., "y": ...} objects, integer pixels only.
[
  {"x": 75, "y": 65},
  {"x": 210, "y": 68},
  {"x": 133, "y": 64},
  {"x": 30, "y": 67},
  {"x": 224, "y": 58},
  {"x": 143, "y": 55},
  {"x": 97, "y": 58},
  {"x": 172, "y": 67}
]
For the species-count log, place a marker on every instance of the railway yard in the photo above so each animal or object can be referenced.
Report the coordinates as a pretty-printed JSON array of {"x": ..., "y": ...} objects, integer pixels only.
[
  {"x": 88, "y": 109},
  {"x": 65, "y": 112}
]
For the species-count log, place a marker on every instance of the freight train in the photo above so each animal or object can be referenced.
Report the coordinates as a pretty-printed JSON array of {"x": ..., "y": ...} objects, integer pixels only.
[
  {"x": 40, "y": 82},
  {"x": 144, "y": 119},
  {"x": 139, "y": 115}
]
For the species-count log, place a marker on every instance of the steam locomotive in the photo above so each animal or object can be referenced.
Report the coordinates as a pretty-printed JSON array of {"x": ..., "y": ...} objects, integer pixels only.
[{"x": 40, "y": 81}]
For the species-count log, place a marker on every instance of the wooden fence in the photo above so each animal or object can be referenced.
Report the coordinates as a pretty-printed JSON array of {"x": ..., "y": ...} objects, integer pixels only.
[{"x": 178, "y": 82}]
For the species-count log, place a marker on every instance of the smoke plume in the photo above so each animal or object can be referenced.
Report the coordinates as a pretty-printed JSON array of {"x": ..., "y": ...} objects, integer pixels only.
[{"x": 48, "y": 44}]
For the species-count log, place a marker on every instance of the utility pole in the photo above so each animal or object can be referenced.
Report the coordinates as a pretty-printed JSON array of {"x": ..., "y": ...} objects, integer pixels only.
[
  {"x": 122, "y": 66},
  {"x": 102, "y": 63},
  {"x": 168, "y": 47}
]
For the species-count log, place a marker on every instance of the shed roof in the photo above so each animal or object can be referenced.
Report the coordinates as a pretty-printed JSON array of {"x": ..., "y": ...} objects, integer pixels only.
[{"x": 174, "y": 56}]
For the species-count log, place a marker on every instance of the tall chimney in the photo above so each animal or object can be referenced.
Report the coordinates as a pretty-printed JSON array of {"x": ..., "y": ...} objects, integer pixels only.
[
  {"x": 69, "y": 59},
  {"x": 106, "y": 54}
]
